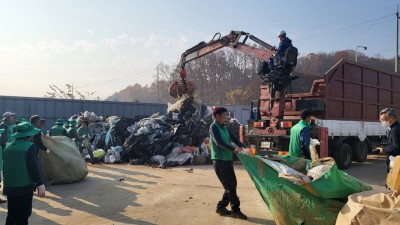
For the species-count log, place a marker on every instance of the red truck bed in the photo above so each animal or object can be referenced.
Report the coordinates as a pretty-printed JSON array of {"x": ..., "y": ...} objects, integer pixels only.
[{"x": 348, "y": 91}]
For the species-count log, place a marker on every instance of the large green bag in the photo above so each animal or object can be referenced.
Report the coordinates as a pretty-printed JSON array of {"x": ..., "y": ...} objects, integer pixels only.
[
  {"x": 333, "y": 184},
  {"x": 301, "y": 203}
]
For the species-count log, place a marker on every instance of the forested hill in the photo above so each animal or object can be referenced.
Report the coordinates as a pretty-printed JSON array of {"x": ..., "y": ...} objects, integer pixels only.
[{"x": 229, "y": 77}]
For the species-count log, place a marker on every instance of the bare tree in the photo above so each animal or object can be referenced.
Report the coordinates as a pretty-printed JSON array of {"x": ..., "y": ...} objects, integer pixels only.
[{"x": 69, "y": 93}]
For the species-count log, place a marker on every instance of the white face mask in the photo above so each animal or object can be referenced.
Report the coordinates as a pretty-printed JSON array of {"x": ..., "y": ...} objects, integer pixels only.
[{"x": 385, "y": 123}]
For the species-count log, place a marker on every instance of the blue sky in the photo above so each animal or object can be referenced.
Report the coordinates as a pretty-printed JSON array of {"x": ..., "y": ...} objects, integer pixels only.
[{"x": 104, "y": 46}]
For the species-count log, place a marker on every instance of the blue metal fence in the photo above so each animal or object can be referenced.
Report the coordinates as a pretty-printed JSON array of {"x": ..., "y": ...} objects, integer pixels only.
[{"x": 52, "y": 109}]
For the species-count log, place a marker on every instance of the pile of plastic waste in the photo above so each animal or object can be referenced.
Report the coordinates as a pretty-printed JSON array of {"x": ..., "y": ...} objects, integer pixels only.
[{"x": 173, "y": 139}]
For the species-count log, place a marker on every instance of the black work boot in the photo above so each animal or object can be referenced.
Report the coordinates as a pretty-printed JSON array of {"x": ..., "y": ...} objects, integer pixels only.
[
  {"x": 223, "y": 211},
  {"x": 239, "y": 215}
]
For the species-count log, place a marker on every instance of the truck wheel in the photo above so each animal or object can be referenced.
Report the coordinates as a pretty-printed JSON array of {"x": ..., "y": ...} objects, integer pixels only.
[
  {"x": 360, "y": 150},
  {"x": 343, "y": 156}
]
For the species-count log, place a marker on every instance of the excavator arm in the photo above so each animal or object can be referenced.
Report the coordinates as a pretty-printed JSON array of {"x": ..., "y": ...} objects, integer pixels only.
[
  {"x": 236, "y": 40},
  {"x": 232, "y": 40}
]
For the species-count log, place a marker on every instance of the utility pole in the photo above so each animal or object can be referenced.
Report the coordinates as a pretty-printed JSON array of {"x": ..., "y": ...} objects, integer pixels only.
[
  {"x": 396, "y": 59},
  {"x": 158, "y": 85}
]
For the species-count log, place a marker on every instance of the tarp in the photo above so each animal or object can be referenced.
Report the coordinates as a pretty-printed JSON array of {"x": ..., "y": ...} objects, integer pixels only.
[
  {"x": 300, "y": 203},
  {"x": 64, "y": 164}
]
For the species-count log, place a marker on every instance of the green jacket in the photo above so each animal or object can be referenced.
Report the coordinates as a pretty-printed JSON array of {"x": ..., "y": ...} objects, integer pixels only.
[
  {"x": 295, "y": 139},
  {"x": 220, "y": 151},
  {"x": 58, "y": 130},
  {"x": 72, "y": 133},
  {"x": 7, "y": 135},
  {"x": 15, "y": 168},
  {"x": 85, "y": 131}
]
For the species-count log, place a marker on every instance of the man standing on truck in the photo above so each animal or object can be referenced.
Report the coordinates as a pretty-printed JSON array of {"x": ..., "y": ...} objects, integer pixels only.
[
  {"x": 299, "y": 145},
  {"x": 388, "y": 119},
  {"x": 222, "y": 156},
  {"x": 284, "y": 44}
]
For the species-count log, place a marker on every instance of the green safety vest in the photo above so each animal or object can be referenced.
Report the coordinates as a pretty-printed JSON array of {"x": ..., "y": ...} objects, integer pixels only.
[
  {"x": 15, "y": 168},
  {"x": 295, "y": 142},
  {"x": 57, "y": 130},
  {"x": 218, "y": 153}
]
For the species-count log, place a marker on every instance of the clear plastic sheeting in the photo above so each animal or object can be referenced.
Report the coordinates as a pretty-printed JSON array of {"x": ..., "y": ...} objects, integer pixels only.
[
  {"x": 178, "y": 157},
  {"x": 113, "y": 155}
]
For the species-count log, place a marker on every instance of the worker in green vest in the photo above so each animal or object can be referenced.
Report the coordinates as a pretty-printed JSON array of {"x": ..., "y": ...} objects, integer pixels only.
[
  {"x": 8, "y": 125},
  {"x": 222, "y": 155},
  {"x": 22, "y": 174},
  {"x": 58, "y": 129},
  {"x": 299, "y": 145},
  {"x": 73, "y": 133},
  {"x": 71, "y": 129},
  {"x": 85, "y": 134},
  {"x": 84, "y": 131},
  {"x": 2, "y": 199}
]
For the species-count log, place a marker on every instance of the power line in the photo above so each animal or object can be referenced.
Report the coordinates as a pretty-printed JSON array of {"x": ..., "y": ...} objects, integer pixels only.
[
  {"x": 368, "y": 22},
  {"x": 345, "y": 19},
  {"x": 347, "y": 32},
  {"x": 113, "y": 80}
]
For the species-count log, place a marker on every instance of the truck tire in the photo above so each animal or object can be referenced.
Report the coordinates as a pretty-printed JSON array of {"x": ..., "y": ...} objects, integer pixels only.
[
  {"x": 343, "y": 156},
  {"x": 360, "y": 150}
]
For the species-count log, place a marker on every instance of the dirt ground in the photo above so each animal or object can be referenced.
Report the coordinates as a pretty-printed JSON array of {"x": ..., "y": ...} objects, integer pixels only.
[{"x": 126, "y": 194}]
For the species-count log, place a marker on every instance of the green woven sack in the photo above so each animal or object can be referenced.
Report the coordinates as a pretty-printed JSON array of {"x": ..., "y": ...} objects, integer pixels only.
[{"x": 301, "y": 203}]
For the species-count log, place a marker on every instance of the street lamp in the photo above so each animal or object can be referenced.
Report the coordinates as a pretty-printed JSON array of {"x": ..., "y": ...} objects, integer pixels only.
[{"x": 364, "y": 47}]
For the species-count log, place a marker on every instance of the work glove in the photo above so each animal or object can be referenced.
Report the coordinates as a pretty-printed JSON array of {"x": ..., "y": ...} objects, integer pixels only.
[
  {"x": 48, "y": 151},
  {"x": 238, "y": 150},
  {"x": 41, "y": 191}
]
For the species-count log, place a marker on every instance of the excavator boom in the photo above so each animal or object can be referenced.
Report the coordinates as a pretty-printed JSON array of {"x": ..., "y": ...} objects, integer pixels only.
[{"x": 235, "y": 40}]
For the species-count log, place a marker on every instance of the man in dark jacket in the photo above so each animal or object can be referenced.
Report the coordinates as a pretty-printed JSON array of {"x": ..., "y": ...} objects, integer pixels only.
[
  {"x": 284, "y": 44},
  {"x": 22, "y": 174},
  {"x": 388, "y": 119},
  {"x": 37, "y": 139},
  {"x": 222, "y": 156}
]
